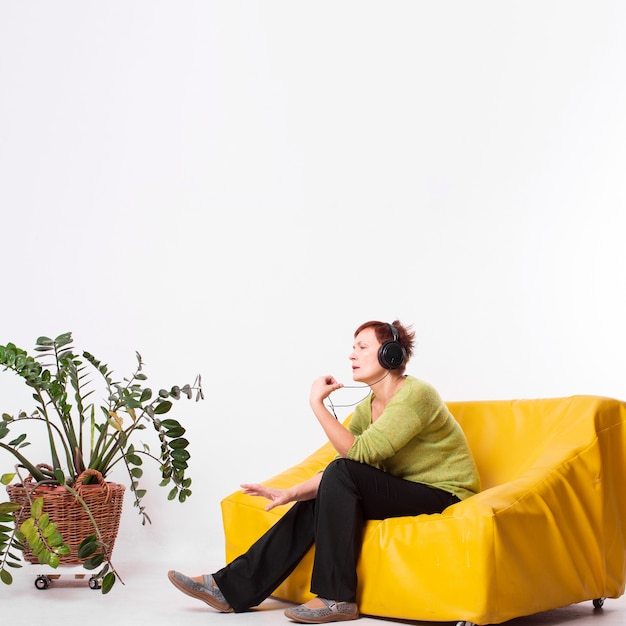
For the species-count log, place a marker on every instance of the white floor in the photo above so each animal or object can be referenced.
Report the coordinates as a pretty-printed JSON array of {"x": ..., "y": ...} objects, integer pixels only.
[{"x": 147, "y": 597}]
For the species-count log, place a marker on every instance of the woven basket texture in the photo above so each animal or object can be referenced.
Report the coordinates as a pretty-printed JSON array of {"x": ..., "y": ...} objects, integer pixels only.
[{"x": 105, "y": 502}]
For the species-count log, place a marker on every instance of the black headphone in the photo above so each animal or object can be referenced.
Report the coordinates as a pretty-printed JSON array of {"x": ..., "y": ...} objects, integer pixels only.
[{"x": 391, "y": 355}]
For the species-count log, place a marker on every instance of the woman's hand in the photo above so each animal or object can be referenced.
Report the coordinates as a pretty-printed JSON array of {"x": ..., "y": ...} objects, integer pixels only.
[
  {"x": 340, "y": 437},
  {"x": 276, "y": 496},
  {"x": 321, "y": 388}
]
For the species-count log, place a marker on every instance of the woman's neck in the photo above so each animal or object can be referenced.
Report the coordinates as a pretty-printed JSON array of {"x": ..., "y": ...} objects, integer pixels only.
[{"x": 386, "y": 388}]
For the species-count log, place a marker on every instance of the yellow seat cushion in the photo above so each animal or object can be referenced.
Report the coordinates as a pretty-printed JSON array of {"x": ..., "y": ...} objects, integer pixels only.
[{"x": 548, "y": 529}]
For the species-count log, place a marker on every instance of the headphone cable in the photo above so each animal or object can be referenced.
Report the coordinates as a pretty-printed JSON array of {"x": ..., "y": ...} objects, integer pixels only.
[{"x": 332, "y": 406}]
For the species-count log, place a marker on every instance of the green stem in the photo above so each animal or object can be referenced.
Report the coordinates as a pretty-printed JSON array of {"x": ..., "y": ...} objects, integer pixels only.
[
  {"x": 49, "y": 426},
  {"x": 37, "y": 474},
  {"x": 105, "y": 548},
  {"x": 42, "y": 408}
]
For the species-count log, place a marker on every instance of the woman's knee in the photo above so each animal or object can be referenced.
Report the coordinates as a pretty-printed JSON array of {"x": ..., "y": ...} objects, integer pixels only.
[
  {"x": 338, "y": 472},
  {"x": 337, "y": 466}
]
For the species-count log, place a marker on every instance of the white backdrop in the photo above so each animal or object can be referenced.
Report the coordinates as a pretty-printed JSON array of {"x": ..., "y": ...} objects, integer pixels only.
[{"x": 231, "y": 188}]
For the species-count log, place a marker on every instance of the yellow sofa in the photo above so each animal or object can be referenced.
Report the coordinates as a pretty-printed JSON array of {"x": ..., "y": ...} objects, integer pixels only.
[{"x": 548, "y": 529}]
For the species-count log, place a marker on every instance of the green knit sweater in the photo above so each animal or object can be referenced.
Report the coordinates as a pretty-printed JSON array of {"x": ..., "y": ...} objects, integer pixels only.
[{"x": 415, "y": 438}]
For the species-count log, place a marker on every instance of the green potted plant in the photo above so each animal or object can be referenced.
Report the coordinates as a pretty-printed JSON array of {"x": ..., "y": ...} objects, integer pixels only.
[{"x": 63, "y": 511}]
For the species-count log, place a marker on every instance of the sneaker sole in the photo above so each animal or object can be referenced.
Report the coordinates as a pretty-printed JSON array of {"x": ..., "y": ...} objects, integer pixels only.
[
  {"x": 326, "y": 619},
  {"x": 198, "y": 595}
]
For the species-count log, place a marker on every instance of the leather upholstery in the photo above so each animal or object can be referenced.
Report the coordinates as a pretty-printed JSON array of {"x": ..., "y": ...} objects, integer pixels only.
[{"x": 548, "y": 529}]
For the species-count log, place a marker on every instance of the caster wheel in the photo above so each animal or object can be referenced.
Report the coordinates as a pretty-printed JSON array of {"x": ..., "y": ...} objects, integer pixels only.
[
  {"x": 598, "y": 603},
  {"x": 42, "y": 582},
  {"x": 94, "y": 583}
]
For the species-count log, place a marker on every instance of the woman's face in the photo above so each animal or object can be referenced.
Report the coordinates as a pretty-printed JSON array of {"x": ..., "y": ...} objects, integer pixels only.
[{"x": 364, "y": 357}]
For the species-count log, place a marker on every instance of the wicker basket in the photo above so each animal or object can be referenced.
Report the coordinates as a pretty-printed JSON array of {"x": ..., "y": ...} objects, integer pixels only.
[{"x": 105, "y": 502}]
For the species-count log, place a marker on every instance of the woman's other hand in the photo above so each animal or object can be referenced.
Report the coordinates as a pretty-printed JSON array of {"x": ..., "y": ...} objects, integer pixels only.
[{"x": 275, "y": 496}]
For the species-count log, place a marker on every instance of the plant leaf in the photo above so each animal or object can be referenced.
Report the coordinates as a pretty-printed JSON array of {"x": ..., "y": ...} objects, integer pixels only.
[
  {"x": 54, "y": 561},
  {"x": 179, "y": 443},
  {"x": 36, "y": 508},
  {"x": 134, "y": 459},
  {"x": 16, "y": 442},
  {"x": 6, "y": 479},
  {"x": 94, "y": 562},
  {"x": 107, "y": 582},
  {"x": 63, "y": 340},
  {"x": 87, "y": 547},
  {"x": 163, "y": 407},
  {"x": 6, "y": 577},
  {"x": 56, "y": 541}
]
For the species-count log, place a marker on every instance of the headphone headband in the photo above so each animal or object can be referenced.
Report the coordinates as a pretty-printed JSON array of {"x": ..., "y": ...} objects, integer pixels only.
[{"x": 394, "y": 332}]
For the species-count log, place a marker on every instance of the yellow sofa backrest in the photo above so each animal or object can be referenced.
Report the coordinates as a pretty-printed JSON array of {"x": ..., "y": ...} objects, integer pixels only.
[{"x": 509, "y": 437}]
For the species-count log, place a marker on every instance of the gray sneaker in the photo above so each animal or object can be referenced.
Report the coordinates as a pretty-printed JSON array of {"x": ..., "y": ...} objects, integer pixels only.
[
  {"x": 208, "y": 591},
  {"x": 331, "y": 612}
]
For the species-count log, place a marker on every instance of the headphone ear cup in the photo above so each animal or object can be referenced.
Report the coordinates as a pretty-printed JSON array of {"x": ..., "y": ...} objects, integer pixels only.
[{"x": 391, "y": 355}]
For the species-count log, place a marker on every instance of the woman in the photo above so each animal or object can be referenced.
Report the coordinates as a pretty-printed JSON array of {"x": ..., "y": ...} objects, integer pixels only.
[{"x": 402, "y": 454}]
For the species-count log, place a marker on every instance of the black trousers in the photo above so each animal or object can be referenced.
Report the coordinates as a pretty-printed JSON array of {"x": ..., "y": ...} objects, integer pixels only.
[{"x": 349, "y": 494}]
